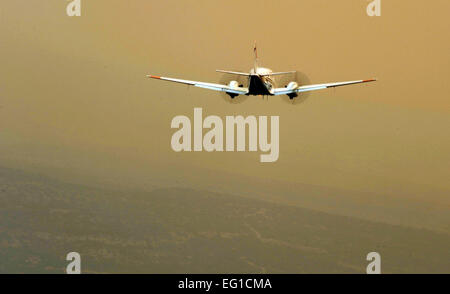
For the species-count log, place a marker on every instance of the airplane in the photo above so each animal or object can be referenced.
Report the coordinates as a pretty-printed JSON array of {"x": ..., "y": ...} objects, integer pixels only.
[{"x": 260, "y": 82}]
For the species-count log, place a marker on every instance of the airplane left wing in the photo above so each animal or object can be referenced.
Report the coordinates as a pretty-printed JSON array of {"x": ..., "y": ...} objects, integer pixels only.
[
  {"x": 286, "y": 91},
  {"x": 209, "y": 86}
]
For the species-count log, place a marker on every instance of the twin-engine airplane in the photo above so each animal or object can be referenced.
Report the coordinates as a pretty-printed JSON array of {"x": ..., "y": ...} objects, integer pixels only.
[{"x": 260, "y": 82}]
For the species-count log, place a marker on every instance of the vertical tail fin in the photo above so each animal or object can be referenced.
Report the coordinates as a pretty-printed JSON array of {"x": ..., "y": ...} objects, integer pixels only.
[{"x": 255, "y": 50}]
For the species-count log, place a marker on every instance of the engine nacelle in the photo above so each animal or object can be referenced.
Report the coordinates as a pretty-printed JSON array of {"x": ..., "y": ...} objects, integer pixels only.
[
  {"x": 233, "y": 84},
  {"x": 292, "y": 86}
]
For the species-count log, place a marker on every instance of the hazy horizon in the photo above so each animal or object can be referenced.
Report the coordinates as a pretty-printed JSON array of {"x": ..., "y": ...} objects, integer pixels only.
[{"x": 75, "y": 103}]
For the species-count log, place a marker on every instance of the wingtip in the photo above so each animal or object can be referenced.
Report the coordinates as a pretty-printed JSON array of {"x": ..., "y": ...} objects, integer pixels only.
[
  {"x": 153, "y": 77},
  {"x": 370, "y": 80}
]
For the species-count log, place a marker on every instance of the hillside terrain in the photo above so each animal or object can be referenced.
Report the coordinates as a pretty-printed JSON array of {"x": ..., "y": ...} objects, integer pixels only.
[{"x": 178, "y": 230}]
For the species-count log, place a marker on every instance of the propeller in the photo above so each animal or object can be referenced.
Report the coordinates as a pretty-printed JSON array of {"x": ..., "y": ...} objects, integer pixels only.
[
  {"x": 301, "y": 79},
  {"x": 225, "y": 79}
]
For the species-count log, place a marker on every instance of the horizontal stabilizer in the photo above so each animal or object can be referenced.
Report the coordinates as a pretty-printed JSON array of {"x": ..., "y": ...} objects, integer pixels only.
[
  {"x": 233, "y": 72},
  {"x": 279, "y": 73}
]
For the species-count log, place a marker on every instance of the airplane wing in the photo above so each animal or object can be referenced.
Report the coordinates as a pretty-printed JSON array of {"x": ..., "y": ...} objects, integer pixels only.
[
  {"x": 210, "y": 86},
  {"x": 286, "y": 91}
]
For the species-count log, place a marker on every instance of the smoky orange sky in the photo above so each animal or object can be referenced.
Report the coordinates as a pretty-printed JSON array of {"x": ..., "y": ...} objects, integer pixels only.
[{"x": 75, "y": 101}]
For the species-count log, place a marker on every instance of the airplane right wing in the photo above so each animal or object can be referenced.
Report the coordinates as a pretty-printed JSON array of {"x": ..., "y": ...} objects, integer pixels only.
[
  {"x": 287, "y": 91},
  {"x": 210, "y": 86}
]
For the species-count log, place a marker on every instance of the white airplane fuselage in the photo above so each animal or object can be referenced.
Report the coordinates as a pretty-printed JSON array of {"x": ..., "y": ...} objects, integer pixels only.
[{"x": 260, "y": 82}]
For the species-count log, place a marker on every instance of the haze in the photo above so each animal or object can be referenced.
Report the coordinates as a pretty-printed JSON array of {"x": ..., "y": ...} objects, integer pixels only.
[{"x": 75, "y": 104}]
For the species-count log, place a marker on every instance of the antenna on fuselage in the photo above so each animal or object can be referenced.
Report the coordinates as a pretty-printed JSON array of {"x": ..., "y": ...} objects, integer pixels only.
[{"x": 255, "y": 50}]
